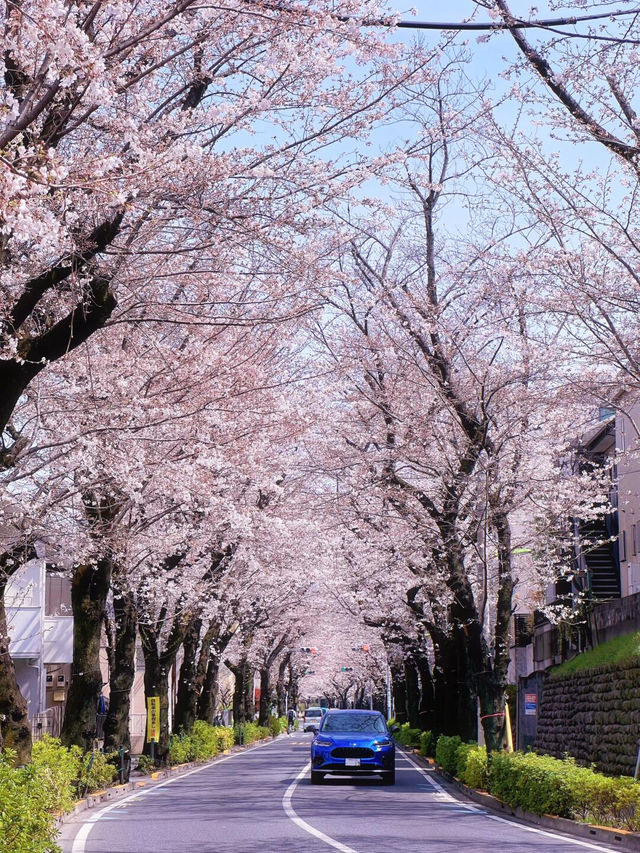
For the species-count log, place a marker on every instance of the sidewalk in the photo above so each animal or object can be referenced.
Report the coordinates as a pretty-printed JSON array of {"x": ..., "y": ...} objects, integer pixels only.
[{"x": 617, "y": 838}]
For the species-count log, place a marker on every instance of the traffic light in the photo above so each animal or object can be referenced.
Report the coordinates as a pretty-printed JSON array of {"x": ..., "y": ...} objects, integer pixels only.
[{"x": 346, "y": 669}]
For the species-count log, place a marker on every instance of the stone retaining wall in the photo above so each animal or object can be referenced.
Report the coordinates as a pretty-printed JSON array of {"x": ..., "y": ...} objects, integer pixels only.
[{"x": 593, "y": 716}]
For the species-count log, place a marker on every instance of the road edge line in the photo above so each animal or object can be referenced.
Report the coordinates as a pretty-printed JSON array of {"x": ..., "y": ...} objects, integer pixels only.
[
  {"x": 556, "y": 836},
  {"x": 80, "y": 838}
]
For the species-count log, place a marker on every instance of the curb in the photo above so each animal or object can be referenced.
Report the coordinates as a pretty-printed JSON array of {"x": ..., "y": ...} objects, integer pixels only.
[
  {"x": 620, "y": 838},
  {"x": 100, "y": 798}
]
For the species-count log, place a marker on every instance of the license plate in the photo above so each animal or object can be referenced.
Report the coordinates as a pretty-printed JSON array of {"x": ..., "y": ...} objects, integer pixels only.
[{"x": 352, "y": 762}]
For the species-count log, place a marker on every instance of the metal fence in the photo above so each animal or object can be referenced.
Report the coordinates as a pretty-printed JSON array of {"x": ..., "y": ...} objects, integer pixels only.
[{"x": 48, "y": 723}]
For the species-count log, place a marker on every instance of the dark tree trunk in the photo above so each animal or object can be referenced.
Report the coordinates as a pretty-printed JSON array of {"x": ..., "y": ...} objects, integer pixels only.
[
  {"x": 15, "y": 732},
  {"x": 243, "y": 687},
  {"x": 89, "y": 589},
  {"x": 187, "y": 700},
  {"x": 492, "y": 680},
  {"x": 265, "y": 696},
  {"x": 399, "y": 688},
  {"x": 413, "y": 692},
  {"x": 156, "y": 683},
  {"x": 281, "y": 690},
  {"x": 157, "y": 665},
  {"x": 292, "y": 688},
  {"x": 214, "y": 643},
  {"x": 426, "y": 709},
  {"x": 116, "y": 726},
  {"x": 208, "y": 700}
]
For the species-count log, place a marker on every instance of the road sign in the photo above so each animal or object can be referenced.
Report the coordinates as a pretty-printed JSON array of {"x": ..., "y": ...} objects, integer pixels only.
[
  {"x": 530, "y": 704},
  {"x": 153, "y": 718}
]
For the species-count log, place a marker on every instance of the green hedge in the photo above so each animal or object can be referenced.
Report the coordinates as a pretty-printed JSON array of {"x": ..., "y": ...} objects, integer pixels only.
[
  {"x": 32, "y": 796},
  {"x": 408, "y": 736},
  {"x": 426, "y": 743},
  {"x": 446, "y": 753},
  {"x": 545, "y": 785},
  {"x": 245, "y": 733},
  {"x": 471, "y": 765},
  {"x": 202, "y": 742},
  {"x": 277, "y": 725}
]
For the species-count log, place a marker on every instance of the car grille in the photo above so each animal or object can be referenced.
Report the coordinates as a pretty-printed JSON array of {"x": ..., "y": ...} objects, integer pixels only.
[{"x": 352, "y": 752}]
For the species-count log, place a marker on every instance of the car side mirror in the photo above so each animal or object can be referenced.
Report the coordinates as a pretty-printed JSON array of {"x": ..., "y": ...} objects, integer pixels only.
[{"x": 394, "y": 728}]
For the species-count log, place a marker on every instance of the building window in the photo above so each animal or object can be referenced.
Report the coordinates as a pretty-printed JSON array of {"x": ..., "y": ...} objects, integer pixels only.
[
  {"x": 623, "y": 546},
  {"x": 523, "y": 625},
  {"x": 634, "y": 539},
  {"x": 623, "y": 436},
  {"x": 606, "y": 412},
  {"x": 58, "y": 596}
]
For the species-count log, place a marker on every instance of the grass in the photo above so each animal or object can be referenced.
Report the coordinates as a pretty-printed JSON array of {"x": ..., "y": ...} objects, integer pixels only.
[{"x": 616, "y": 651}]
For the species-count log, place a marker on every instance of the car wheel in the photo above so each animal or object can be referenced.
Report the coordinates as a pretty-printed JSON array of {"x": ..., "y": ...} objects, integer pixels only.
[
  {"x": 317, "y": 778},
  {"x": 389, "y": 778}
]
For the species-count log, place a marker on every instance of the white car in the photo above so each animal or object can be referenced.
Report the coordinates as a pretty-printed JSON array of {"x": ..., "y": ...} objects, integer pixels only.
[{"x": 312, "y": 717}]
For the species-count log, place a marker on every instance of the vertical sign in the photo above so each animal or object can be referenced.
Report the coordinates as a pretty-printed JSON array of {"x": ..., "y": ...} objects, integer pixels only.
[
  {"x": 530, "y": 704},
  {"x": 153, "y": 718}
]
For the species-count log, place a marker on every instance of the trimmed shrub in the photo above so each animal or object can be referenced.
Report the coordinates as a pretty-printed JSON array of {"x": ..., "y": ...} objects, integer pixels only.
[
  {"x": 275, "y": 725},
  {"x": 245, "y": 733},
  {"x": 146, "y": 764},
  {"x": 446, "y": 749},
  {"x": 471, "y": 762},
  {"x": 202, "y": 742},
  {"x": 545, "y": 785},
  {"x": 408, "y": 736},
  {"x": 426, "y": 743},
  {"x": 27, "y": 799}
]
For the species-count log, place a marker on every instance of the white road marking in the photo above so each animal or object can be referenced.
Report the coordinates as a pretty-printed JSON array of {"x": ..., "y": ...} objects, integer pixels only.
[
  {"x": 80, "y": 840},
  {"x": 291, "y": 814},
  {"x": 448, "y": 798}
]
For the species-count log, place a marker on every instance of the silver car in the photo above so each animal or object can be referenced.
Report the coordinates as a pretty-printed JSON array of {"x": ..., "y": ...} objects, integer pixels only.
[{"x": 312, "y": 718}]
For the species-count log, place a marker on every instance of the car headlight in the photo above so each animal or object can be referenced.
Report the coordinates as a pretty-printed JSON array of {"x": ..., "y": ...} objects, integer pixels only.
[
  {"x": 380, "y": 743},
  {"x": 323, "y": 741}
]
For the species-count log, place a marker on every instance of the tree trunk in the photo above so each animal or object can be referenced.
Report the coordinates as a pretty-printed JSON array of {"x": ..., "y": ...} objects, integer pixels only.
[
  {"x": 208, "y": 700},
  {"x": 15, "y": 732},
  {"x": 89, "y": 589},
  {"x": 399, "y": 688},
  {"x": 116, "y": 726},
  {"x": 214, "y": 643},
  {"x": 265, "y": 696},
  {"x": 157, "y": 665},
  {"x": 242, "y": 701},
  {"x": 426, "y": 708},
  {"x": 281, "y": 691},
  {"x": 156, "y": 683},
  {"x": 492, "y": 680},
  {"x": 412, "y": 691},
  {"x": 445, "y": 686},
  {"x": 187, "y": 700}
]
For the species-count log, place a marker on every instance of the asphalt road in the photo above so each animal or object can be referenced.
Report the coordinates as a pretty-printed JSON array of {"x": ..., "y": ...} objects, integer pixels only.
[{"x": 261, "y": 801}]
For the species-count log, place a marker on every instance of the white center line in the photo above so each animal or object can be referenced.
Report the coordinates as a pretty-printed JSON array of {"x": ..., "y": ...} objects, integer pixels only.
[{"x": 291, "y": 814}]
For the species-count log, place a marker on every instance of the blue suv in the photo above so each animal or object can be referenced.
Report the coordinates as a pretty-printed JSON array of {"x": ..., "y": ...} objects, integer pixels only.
[{"x": 353, "y": 743}]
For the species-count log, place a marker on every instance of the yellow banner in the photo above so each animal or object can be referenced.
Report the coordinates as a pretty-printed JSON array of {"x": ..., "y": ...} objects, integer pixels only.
[{"x": 153, "y": 718}]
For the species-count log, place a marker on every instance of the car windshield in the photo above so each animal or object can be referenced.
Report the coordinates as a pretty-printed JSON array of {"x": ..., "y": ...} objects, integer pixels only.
[
  {"x": 365, "y": 723},
  {"x": 314, "y": 713}
]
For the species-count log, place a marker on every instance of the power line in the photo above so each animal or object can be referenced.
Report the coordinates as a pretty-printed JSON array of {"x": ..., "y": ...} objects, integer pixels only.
[{"x": 512, "y": 24}]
